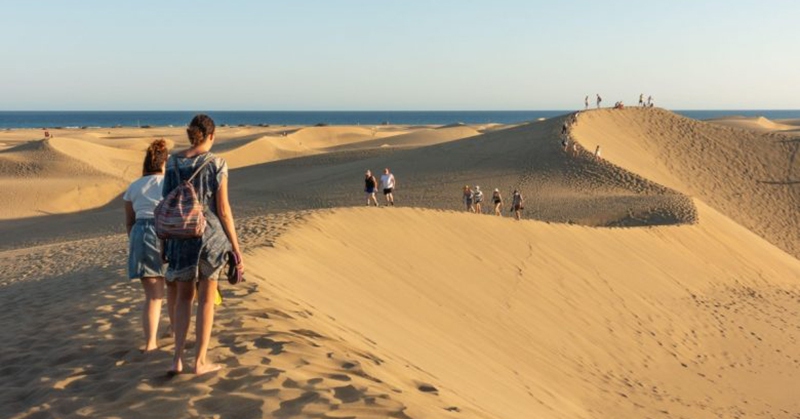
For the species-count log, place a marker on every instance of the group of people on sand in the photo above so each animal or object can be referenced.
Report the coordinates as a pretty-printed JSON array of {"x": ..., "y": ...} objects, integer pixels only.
[
  {"x": 387, "y": 184},
  {"x": 474, "y": 197},
  {"x": 619, "y": 104},
  {"x": 189, "y": 268}
]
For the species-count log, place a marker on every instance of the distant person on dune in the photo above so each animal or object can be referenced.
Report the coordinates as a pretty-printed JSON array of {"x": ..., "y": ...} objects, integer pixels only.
[
  {"x": 497, "y": 199},
  {"x": 517, "y": 204},
  {"x": 388, "y": 185},
  {"x": 641, "y": 99},
  {"x": 144, "y": 248},
  {"x": 586, "y": 102},
  {"x": 478, "y": 198},
  {"x": 370, "y": 187},
  {"x": 649, "y": 101},
  {"x": 597, "y": 153},
  {"x": 468, "y": 197},
  {"x": 195, "y": 264},
  {"x": 599, "y": 100}
]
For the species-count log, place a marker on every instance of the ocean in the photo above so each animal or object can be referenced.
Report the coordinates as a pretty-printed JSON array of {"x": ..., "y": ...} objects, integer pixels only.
[{"x": 76, "y": 119}]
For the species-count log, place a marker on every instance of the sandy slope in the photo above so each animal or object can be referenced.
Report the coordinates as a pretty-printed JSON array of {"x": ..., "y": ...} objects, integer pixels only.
[
  {"x": 752, "y": 177},
  {"x": 403, "y": 312},
  {"x": 426, "y": 314},
  {"x": 760, "y": 123}
]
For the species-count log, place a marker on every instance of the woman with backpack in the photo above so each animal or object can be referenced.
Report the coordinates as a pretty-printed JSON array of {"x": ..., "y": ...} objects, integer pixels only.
[
  {"x": 144, "y": 248},
  {"x": 195, "y": 264}
]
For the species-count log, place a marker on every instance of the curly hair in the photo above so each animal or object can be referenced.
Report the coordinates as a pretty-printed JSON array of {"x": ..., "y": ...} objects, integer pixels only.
[
  {"x": 155, "y": 157},
  {"x": 200, "y": 128}
]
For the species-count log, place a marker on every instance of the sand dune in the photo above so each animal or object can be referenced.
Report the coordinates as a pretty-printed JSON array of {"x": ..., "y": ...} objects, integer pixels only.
[
  {"x": 418, "y": 138},
  {"x": 37, "y": 178},
  {"x": 759, "y": 123},
  {"x": 748, "y": 176},
  {"x": 424, "y": 312}
]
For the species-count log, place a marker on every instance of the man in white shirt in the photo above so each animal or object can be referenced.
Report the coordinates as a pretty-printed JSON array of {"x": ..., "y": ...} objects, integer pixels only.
[{"x": 388, "y": 184}]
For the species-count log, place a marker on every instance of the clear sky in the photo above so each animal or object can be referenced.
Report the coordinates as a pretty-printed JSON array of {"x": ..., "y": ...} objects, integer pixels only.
[{"x": 396, "y": 54}]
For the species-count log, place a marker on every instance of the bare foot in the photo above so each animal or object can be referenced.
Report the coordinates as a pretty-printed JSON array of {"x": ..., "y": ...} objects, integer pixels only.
[
  {"x": 207, "y": 368},
  {"x": 177, "y": 368}
]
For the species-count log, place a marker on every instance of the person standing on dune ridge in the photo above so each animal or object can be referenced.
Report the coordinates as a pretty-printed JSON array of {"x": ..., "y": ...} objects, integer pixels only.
[
  {"x": 599, "y": 100},
  {"x": 517, "y": 204},
  {"x": 497, "y": 199},
  {"x": 468, "y": 197},
  {"x": 477, "y": 198},
  {"x": 641, "y": 100},
  {"x": 388, "y": 184},
  {"x": 586, "y": 102},
  {"x": 370, "y": 186}
]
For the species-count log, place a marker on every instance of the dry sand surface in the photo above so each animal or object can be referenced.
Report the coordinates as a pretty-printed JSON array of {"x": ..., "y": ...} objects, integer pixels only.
[{"x": 689, "y": 311}]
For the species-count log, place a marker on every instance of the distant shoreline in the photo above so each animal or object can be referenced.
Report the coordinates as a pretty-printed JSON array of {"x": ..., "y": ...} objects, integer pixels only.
[{"x": 160, "y": 119}]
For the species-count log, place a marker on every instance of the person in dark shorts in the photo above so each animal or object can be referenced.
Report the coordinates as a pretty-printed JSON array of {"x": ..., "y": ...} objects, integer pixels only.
[
  {"x": 370, "y": 187},
  {"x": 517, "y": 204},
  {"x": 497, "y": 199},
  {"x": 468, "y": 198},
  {"x": 388, "y": 185}
]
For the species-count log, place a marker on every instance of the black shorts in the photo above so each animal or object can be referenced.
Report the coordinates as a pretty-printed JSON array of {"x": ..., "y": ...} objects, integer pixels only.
[{"x": 388, "y": 191}]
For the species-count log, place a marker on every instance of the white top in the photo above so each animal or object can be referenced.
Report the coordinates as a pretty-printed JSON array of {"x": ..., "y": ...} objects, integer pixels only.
[
  {"x": 145, "y": 193},
  {"x": 387, "y": 181}
]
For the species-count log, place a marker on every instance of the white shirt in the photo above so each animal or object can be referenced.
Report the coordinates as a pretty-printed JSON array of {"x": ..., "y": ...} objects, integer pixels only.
[
  {"x": 145, "y": 193},
  {"x": 387, "y": 181}
]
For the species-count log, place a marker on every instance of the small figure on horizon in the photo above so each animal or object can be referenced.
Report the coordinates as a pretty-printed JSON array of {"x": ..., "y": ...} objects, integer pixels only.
[
  {"x": 599, "y": 100},
  {"x": 641, "y": 99},
  {"x": 649, "y": 101},
  {"x": 468, "y": 197},
  {"x": 586, "y": 102},
  {"x": 497, "y": 199},
  {"x": 478, "y": 198},
  {"x": 564, "y": 128},
  {"x": 597, "y": 152},
  {"x": 370, "y": 186},
  {"x": 388, "y": 185},
  {"x": 619, "y": 105},
  {"x": 517, "y": 204}
]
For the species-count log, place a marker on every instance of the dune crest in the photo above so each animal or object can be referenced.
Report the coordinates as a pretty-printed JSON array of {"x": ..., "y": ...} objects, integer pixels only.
[{"x": 754, "y": 178}]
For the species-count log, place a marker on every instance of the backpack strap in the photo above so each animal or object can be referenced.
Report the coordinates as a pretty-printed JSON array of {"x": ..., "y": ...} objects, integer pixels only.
[{"x": 197, "y": 171}]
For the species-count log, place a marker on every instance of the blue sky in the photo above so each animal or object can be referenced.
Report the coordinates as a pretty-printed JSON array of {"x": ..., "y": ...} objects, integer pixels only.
[{"x": 393, "y": 54}]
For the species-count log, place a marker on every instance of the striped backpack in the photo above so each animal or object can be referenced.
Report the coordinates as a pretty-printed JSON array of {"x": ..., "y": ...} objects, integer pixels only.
[{"x": 180, "y": 214}]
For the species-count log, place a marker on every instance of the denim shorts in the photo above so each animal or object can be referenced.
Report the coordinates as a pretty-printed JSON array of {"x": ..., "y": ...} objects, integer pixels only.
[{"x": 144, "y": 251}]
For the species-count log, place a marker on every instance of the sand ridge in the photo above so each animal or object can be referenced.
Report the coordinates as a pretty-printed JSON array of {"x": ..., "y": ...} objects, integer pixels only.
[
  {"x": 424, "y": 312},
  {"x": 752, "y": 177}
]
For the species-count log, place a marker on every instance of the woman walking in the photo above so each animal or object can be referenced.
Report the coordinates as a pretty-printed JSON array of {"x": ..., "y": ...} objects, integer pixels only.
[
  {"x": 144, "y": 248},
  {"x": 468, "y": 197},
  {"x": 370, "y": 186},
  {"x": 517, "y": 204},
  {"x": 477, "y": 198},
  {"x": 497, "y": 199},
  {"x": 195, "y": 264}
]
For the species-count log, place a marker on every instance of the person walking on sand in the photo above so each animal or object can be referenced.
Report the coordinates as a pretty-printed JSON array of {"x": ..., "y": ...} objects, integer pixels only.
[
  {"x": 477, "y": 198},
  {"x": 468, "y": 197},
  {"x": 599, "y": 100},
  {"x": 517, "y": 204},
  {"x": 597, "y": 153},
  {"x": 144, "y": 248},
  {"x": 649, "y": 101},
  {"x": 388, "y": 184},
  {"x": 641, "y": 100},
  {"x": 497, "y": 199},
  {"x": 370, "y": 186},
  {"x": 586, "y": 103},
  {"x": 195, "y": 264}
]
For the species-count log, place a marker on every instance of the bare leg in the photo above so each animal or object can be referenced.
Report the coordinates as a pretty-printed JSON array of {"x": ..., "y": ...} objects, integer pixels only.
[
  {"x": 390, "y": 198},
  {"x": 374, "y": 199},
  {"x": 205, "y": 321},
  {"x": 151, "y": 312},
  {"x": 478, "y": 208},
  {"x": 516, "y": 214},
  {"x": 183, "y": 314},
  {"x": 172, "y": 296}
]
